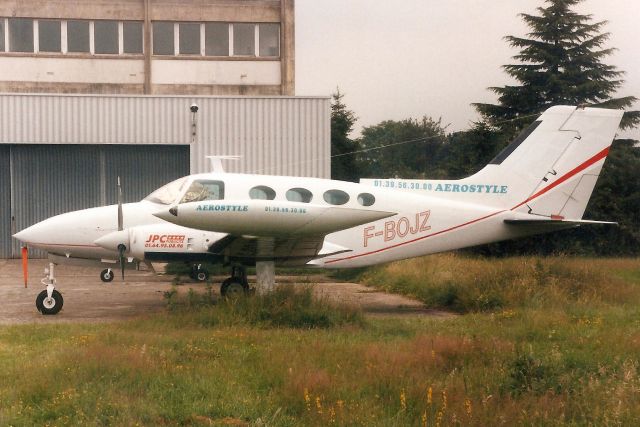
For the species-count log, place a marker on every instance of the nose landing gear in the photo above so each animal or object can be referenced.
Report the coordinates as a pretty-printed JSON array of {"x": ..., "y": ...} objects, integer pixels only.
[
  {"x": 199, "y": 273},
  {"x": 107, "y": 275},
  {"x": 49, "y": 301}
]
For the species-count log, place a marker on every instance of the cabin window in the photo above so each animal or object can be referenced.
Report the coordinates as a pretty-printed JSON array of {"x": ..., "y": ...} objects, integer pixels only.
[
  {"x": 366, "y": 199},
  {"x": 167, "y": 194},
  {"x": 262, "y": 193},
  {"x": 336, "y": 197},
  {"x": 301, "y": 195},
  {"x": 204, "y": 190}
]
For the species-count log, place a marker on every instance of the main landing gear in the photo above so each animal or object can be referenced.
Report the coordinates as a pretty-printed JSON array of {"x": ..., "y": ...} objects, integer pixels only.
[
  {"x": 236, "y": 285},
  {"x": 49, "y": 301}
]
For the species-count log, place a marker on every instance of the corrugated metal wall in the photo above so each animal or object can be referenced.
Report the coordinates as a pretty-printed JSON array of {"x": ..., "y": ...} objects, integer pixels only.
[
  {"x": 50, "y": 180},
  {"x": 5, "y": 202},
  {"x": 283, "y": 135},
  {"x": 69, "y": 149},
  {"x": 158, "y": 166}
]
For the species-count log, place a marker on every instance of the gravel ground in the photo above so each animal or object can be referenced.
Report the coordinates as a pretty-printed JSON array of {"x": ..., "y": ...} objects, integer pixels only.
[{"x": 87, "y": 299}]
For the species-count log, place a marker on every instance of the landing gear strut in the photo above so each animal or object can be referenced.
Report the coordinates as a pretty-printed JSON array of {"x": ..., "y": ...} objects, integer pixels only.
[
  {"x": 107, "y": 275},
  {"x": 237, "y": 284},
  {"x": 49, "y": 301}
]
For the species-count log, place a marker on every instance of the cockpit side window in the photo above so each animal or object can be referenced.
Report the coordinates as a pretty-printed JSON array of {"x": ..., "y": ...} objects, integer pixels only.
[
  {"x": 204, "y": 190},
  {"x": 167, "y": 194}
]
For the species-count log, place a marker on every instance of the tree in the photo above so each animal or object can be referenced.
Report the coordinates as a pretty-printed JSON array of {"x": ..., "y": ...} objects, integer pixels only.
[
  {"x": 559, "y": 63},
  {"x": 408, "y": 148},
  {"x": 343, "y": 158}
]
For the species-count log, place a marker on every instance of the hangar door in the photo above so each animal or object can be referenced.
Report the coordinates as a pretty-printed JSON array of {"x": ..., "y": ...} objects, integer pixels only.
[
  {"x": 5, "y": 202},
  {"x": 48, "y": 180}
]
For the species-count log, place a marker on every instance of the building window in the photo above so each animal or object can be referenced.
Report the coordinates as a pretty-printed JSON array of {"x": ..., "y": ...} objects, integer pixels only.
[
  {"x": 216, "y": 39},
  {"x": 269, "y": 39},
  {"x": 336, "y": 197},
  {"x": 1, "y": 34},
  {"x": 132, "y": 37},
  {"x": 106, "y": 37},
  {"x": 78, "y": 40},
  {"x": 189, "y": 36},
  {"x": 49, "y": 36},
  {"x": 244, "y": 39},
  {"x": 20, "y": 35},
  {"x": 163, "y": 42}
]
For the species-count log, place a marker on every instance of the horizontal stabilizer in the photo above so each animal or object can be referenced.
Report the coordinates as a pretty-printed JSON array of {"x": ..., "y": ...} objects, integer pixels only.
[
  {"x": 329, "y": 248},
  {"x": 559, "y": 223}
]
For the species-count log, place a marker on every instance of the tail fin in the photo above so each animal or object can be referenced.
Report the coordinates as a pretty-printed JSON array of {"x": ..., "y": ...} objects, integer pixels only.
[
  {"x": 549, "y": 170},
  {"x": 552, "y": 170}
]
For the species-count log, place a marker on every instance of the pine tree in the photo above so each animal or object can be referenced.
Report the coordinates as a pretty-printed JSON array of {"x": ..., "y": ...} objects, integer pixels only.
[
  {"x": 343, "y": 159},
  {"x": 559, "y": 63}
]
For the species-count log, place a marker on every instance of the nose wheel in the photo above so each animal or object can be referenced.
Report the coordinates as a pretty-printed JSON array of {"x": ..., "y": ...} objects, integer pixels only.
[
  {"x": 199, "y": 273},
  {"x": 107, "y": 275},
  {"x": 49, "y": 301}
]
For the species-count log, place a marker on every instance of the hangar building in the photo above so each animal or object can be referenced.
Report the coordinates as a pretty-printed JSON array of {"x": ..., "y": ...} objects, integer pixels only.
[{"x": 91, "y": 90}]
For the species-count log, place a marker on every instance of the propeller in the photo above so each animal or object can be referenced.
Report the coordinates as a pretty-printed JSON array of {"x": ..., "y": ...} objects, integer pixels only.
[
  {"x": 121, "y": 247},
  {"x": 25, "y": 265}
]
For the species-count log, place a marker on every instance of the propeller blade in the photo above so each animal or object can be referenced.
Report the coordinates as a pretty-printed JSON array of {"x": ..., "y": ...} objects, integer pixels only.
[
  {"x": 25, "y": 265},
  {"x": 121, "y": 249},
  {"x": 120, "y": 217}
]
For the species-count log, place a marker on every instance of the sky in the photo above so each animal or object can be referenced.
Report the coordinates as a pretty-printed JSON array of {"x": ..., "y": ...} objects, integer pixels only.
[{"x": 410, "y": 58}]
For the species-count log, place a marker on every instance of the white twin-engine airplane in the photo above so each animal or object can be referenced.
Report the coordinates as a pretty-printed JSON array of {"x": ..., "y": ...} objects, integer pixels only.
[{"x": 541, "y": 182}]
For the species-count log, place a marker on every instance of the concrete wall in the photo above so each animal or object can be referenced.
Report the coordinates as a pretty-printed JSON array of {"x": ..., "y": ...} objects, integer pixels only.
[{"x": 147, "y": 73}]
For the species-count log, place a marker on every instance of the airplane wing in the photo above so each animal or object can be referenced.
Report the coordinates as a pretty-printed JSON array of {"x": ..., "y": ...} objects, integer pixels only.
[{"x": 283, "y": 250}]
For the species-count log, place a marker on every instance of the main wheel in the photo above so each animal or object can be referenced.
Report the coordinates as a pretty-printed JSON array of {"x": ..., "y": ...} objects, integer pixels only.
[
  {"x": 106, "y": 275},
  {"x": 46, "y": 305},
  {"x": 233, "y": 288}
]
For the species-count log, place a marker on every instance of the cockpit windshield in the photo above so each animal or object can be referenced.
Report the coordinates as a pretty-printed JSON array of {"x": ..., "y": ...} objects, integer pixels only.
[
  {"x": 204, "y": 190},
  {"x": 167, "y": 194}
]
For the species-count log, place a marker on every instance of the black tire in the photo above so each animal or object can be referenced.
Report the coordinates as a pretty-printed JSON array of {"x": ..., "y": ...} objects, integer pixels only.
[
  {"x": 201, "y": 275},
  {"x": 52, "y": 306},
  {"x": 107, "y": 275},
  {"x": 233, "y": 288}
]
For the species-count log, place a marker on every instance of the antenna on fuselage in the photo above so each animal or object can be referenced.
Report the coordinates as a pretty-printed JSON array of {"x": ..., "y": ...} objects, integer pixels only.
[{"x": 216, "y": 162}]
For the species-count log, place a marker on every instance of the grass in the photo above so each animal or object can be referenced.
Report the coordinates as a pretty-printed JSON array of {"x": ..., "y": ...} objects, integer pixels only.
[
  {"x": 472, "y": 284},
  {"x": 562, "y": 351}
]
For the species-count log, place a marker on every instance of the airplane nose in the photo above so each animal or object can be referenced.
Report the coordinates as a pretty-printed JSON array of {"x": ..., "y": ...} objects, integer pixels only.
[{"x": 29, "y": 234}]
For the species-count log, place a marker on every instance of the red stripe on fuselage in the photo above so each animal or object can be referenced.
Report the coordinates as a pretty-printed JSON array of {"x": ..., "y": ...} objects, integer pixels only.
[
  {"x": 414, "y": 240},
  {"x": 599, "y": 156}
]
